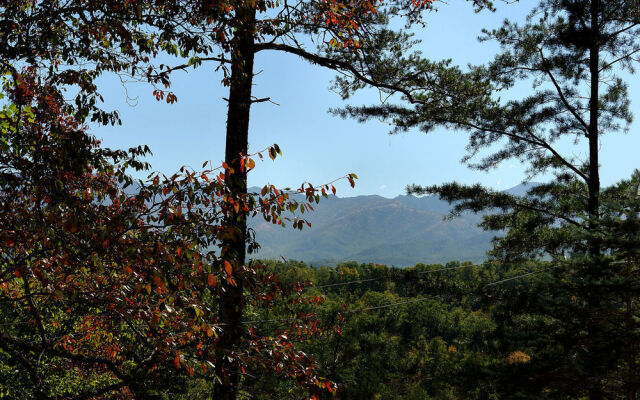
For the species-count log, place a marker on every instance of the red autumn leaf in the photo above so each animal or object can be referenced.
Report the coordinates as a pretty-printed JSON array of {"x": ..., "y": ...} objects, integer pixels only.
[
  {"x": 228, "y": 267},
  {"x": 328, "y": 386},
  {"x": 212, "y": 280},
  {"x": 251, "y": 164}
]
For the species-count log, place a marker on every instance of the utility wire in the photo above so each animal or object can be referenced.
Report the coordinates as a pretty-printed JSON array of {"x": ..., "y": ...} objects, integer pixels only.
[
  {"x": 514, "y": 278},
  {"x": 385, "y": 278},
  {"x": 390, "y": 305},
  {"x": 345, "y": 283},
  {"x": 344, "y": 312}
]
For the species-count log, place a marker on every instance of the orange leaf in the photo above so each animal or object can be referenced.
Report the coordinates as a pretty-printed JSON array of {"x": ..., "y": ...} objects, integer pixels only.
[
  {"x": 212, "y": 280},
  {"x": 227, "y": 267},
  {"x": 176, "y": 360}
]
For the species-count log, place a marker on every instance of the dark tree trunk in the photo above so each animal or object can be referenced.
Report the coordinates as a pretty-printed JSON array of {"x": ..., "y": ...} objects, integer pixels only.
[
  {"x": 594, "y": 111},
  {"x": 231, "y": 302},
  {"x": 593, "y": 203},
  {"x": 631, "y": 348}
]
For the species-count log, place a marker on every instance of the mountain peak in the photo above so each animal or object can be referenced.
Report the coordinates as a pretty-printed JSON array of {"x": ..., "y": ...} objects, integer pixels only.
[{"x": 401, "y": 231}]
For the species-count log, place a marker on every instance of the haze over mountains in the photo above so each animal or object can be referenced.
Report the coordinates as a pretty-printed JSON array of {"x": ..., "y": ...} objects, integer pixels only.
[{"x": 402, "y": 231}]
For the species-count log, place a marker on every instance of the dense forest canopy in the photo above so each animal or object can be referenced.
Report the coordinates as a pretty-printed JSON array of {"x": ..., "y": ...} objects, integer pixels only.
[{"x": 117, "y": 288}]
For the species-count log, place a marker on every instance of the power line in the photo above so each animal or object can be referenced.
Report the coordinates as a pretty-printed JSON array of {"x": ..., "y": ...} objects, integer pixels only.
[
  {"x": 345, "y": 283},
  {"x": 385, "y": 278},
  {"x": 513, "y": 278},
  {"x": 372, "y": 308},
  {"x": 345, "y": 312},
  {"x": 390, "y": 305}
]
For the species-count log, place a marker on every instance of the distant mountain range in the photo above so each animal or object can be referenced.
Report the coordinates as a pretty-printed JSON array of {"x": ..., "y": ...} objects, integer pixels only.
[{"x": 402, "y": 231}]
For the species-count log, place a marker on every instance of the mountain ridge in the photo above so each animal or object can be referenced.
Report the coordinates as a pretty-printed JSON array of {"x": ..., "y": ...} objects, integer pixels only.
[{"x": 401, "y": 231}]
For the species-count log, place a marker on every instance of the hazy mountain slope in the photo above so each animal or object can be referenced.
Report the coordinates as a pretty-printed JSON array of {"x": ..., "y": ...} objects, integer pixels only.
[{"x": 401, "y": 231}]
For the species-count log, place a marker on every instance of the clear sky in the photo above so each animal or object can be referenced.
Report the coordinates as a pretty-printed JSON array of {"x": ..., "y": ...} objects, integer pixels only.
[{"x": 318, "y": 147}]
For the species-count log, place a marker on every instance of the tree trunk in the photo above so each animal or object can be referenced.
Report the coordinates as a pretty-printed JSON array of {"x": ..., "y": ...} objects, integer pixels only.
[
  {"x": 593, "y": 212},
  {"x": 594, "y": 111},
  {"x": 631, "y": 351},
  {"x": 231, "y": 302}
]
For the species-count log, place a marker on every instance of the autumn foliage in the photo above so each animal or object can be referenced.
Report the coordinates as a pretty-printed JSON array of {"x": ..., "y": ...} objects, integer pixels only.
[
  {"x": 111, "y": 279},
  {"x": 109, "y": 286}
]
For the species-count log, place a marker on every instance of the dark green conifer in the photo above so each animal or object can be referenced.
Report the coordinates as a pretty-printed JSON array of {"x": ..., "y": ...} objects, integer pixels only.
[{"x": 576, "y": 316}]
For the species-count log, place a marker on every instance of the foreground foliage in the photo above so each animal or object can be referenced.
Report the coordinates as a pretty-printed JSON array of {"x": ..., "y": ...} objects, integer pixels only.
[
  {"x": 107, "y": 284},
  {"x": 115, "y": 288}
]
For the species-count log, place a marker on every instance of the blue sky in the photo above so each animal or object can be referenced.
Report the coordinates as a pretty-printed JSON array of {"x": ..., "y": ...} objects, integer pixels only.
[{"x": 318, "y": 147}]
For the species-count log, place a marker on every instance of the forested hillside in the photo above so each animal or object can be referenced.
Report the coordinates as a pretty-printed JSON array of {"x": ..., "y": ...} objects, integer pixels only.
[
  {"x": 400, "y": 231},
  {"x": 453, "y": 331}
]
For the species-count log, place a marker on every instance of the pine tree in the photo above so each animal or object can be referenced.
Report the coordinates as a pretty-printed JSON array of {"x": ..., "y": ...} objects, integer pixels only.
[{"x": 572, "y": 51}]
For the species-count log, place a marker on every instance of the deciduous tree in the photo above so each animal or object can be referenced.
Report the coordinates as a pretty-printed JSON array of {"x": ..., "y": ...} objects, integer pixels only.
[
  {"x": 106, "y": 284},
  {"x": 353, "y": 38}
]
